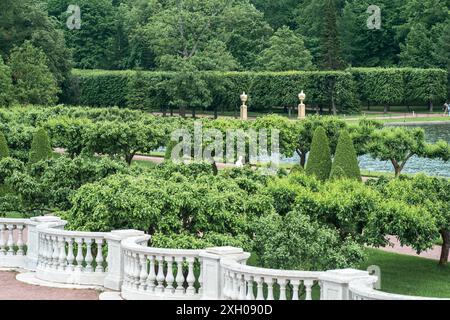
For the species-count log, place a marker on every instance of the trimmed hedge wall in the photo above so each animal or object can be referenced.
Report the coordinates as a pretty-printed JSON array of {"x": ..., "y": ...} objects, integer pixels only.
[{"x": 146, "y": 90}]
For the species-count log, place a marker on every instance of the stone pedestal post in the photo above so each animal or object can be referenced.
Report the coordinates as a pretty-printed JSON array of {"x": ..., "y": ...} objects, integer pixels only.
[
  {"x": 334, "y": 283},
  {"x": 244, "y": 115},
  {"x": 301, "y": 111},
  {"x": 114, "y": 278},
  {"x": 213, "y": 278}
]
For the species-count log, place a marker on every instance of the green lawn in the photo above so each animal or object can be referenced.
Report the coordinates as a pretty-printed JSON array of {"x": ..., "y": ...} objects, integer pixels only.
[{"x": 410, "y": 275}]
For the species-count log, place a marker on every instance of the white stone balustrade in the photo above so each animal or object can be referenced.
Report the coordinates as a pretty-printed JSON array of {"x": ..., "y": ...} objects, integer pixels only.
[
  {"x": 250, "y": 283},
  {"x": 71, "y": 257},
  {"x": 121, "y": 260},
  {"x": 154, "y": 273}
]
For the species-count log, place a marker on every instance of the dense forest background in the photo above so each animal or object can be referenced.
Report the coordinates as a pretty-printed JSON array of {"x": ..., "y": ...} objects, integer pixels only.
[{"x": 221, "y": 35}]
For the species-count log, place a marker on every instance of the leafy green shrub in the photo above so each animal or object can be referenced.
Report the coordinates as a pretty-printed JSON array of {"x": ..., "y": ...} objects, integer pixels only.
[
  {"x": 33, "y": 81},
  {"x": 319, "y": 161},
  {"x": 4, "y": 150},
  {"x": 297, "y": 242},
  {"x": 345, "y": 158},
  {"x": 337, "y": 173},
  {"x": 40, "y": 147},
  {"x": 6, "y": 88}
]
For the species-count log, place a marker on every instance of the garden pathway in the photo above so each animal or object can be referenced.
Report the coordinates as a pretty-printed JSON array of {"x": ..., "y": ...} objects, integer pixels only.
[
  {"x": 11, "y": 289},
  {"x": 433, "y": 253}
]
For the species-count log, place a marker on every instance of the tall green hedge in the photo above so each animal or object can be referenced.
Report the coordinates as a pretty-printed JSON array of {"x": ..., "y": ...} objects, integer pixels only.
[
  {"x": 319, "y": 160},
  {"x": 146, "y": 90},
  {"x": 388, "y": 86}
]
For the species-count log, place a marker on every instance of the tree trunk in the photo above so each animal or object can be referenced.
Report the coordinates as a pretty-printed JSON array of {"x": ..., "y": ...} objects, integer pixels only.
[
  {"x": 321, "y": 109},
  {"x": 302, "y": 159},
  {"x": 129, "y": 158},
  {"x": 397, "y": 168},
  {"x": 171, "y": 111},
  {"x": 193, "y": 112},
  {"x": 164, "y": 111},
  {"x": 333, "y": 105},
  {"x": 215, "y": 112},
  {"x": 368, "y": 106},
  {"x": 183, "y": 111},
  {"x": 445, "y": 247},
  {"x": 430, "y": 106},
  {"x": 386, "y": 108}
]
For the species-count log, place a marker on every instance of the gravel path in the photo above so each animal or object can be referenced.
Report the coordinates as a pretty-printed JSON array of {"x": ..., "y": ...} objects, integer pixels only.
[
  {"x": 433, "y": 254},
  {"x": 11, "y": 289}
]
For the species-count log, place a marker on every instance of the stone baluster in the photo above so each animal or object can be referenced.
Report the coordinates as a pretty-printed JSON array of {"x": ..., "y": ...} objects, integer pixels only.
[
  {"x": 126, "y": 269},
  {"x": 226, "y": 284},
  {"x": 308, "y": 285},
  {"x": 55, "y": 255},
  {"x": 136, "y": 270},
  {"x": 151, "y": 275},
  {"x": 70, "y": 255},
  {"x": 45, "y": 250},
  {"x": 200, "y": 277},
  {"x": 99, "y": 256},
  {"x": 88, "y": 259},
  {"x": 295, "y": 286},
  {"x": 2, "y": 240},
  {"x": 20, "y": 244},
  {"x": 62, "y": 253},
  {"x": 242, "y": 288},
  {"x": 282, "y": 283},
  {"x": 269, "y": 283},
  {"x": 144, "y": 274},
  {"x": 160, "y": 275},
  {"x": 169, "y": 277},
  {"x": 179, "y": 279},
  {"x": 190, "y": 279},
  {"x": 260, "y": 288},
  {"x": 10, "y": 242},
  {"x": 235, "y": 286},
  {"x": 250, "y": 294},
  {"x": 79, "y": 258}
]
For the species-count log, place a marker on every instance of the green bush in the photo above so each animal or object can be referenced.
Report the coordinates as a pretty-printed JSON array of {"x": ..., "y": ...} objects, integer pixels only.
[
  {"x": 319, "y": 161},
  {"x": 40, "y": 147},
  {"x": 345, "y": 158},
  {"x": 4, "y": 150},
  {"x": 6, "y": 88},
  {"x": 337, "y": 173}
]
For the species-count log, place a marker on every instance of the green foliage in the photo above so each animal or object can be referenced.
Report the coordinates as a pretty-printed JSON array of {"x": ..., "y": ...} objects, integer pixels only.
[
  {"x": 319, "y": 161},
  {"x": 6, "y": 88},
  {"x": 40, "y": 147},
  {"x": 286, "y": 52},
  {"x": 28, "y": 20},
  {"x": 337, "y": 173},
  {"x": 345, "y": 159},
  {"x": 296, "y": 242},
  {"x": 33, "y": 81},
  {"x": 398, "y": 145},
  {"x": 4, "y": 150}
]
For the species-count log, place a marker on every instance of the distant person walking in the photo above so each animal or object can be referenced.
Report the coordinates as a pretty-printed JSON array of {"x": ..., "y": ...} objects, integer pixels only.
[{"x": 447, "y": 108}]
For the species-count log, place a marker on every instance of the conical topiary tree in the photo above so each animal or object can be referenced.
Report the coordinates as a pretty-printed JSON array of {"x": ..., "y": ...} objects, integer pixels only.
[
  {"x": 40, "y": 147},
  {"x": 337, "y": 173},
  {"x": 4, "y": 151},
  {"x": 346, "y": 158},
  {"x": 319, "y": 160}
]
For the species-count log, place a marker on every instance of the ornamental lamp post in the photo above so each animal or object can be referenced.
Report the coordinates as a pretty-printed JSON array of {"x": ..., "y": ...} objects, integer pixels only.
[
  {"x": 301, "y": 106},
  {"x": 244, "y": 99}
]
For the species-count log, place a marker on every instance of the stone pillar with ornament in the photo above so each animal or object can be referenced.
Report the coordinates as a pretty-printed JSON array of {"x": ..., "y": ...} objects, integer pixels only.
[
  {"x": 301, "y": 106},
  {"x": 244, "y": 99}
]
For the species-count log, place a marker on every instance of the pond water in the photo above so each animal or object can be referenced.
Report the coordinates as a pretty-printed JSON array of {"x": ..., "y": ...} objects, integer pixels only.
[{"x": 433, "y": 132}]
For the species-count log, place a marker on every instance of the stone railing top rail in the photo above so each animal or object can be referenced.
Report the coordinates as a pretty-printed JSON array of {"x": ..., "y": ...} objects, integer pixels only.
[
  {"x": 363, "y": 288},
  {"x": 233, "y": 265},
  {"x": 138, "y": 245}
]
